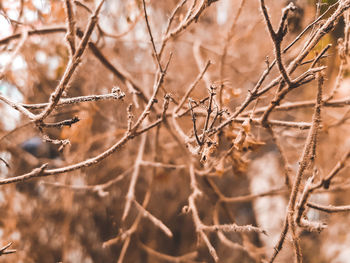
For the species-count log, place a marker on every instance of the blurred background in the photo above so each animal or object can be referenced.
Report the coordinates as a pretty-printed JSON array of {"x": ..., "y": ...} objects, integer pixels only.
[{"x": 63, "y": 218}]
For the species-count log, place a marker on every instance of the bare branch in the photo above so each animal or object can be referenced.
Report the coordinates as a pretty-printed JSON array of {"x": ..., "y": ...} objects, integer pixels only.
[{"x": 71, "y": 67}]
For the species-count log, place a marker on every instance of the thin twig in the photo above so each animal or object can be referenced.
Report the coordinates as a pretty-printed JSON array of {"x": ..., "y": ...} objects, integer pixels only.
[
  {"x": 37, "y": 172},
  {"x": 194, "y": 123},
  {"x": 155, "y": 53},
  {"x": 43, "y": 31},
  {"x": 5, "y": 67},
  {"x": 71, "y": 67},
  {"x": 277, "y": 37},
  {"x": 71, "y": 26},
  {"x": 60, "y": 124},
  {"x": 115, "y": 95},
  {"x": 184, "y": 258},
  {"x": 18, "y": 107},
  {"x": 303, "y": 164},
  {"x": 153, "y": 219},
  {"x": 196, "y": 192},
  {"x": 131, "y": 192},
  {"x": 4, "y": 250},
  {"x": 170, "y": 21},
  {"x": 329, "y": 208},
  {"x": 192, "y": 86}
]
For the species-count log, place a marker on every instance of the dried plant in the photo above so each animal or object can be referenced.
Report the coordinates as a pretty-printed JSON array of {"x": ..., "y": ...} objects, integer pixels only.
[{"x": 174, "y": 131}]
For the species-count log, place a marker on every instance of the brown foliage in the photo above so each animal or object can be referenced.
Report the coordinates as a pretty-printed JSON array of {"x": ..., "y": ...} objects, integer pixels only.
[{"x": 174, "y": 131}]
